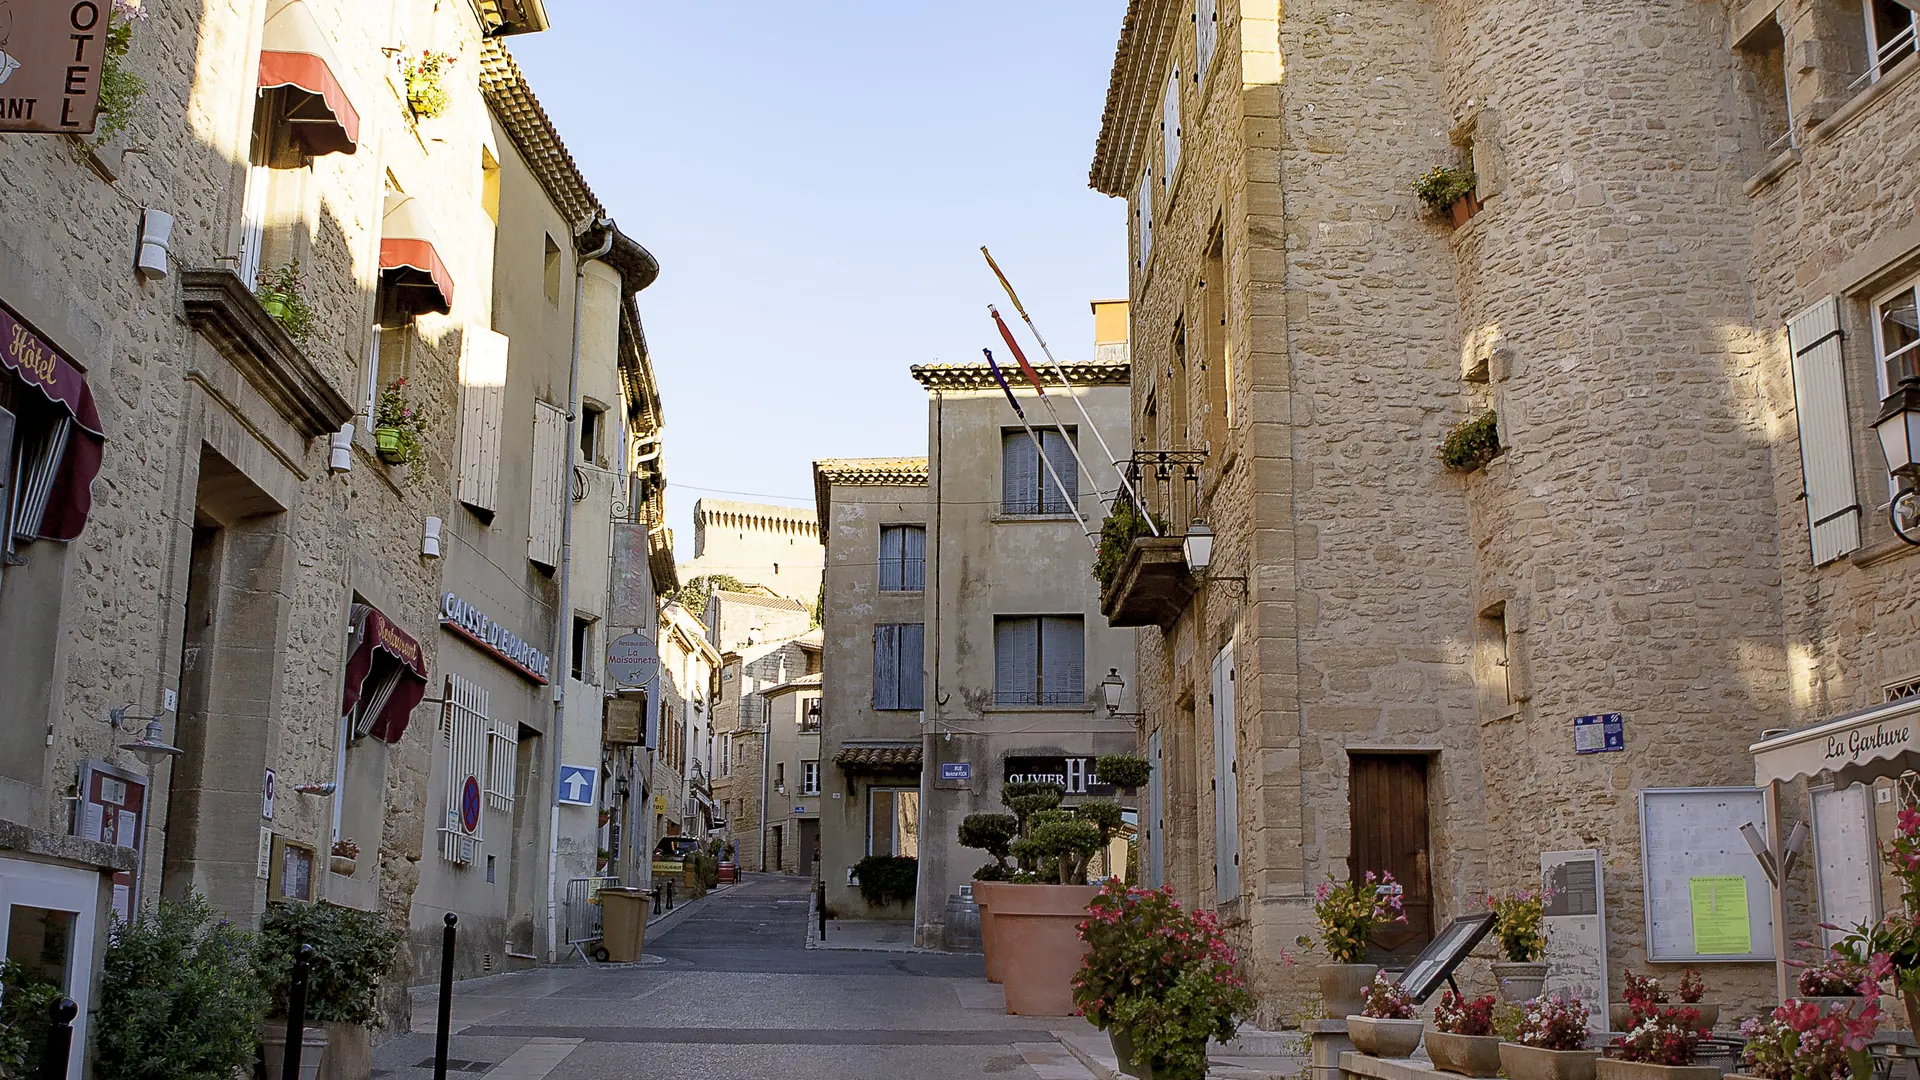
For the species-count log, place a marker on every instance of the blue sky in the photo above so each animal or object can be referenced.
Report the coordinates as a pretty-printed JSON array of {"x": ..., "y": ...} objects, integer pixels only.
[{"x": 816, "y": 181}]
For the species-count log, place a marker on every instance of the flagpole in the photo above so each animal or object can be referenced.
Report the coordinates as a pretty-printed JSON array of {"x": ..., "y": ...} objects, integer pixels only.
[
  {"x": 1040, "y": 451},
  {"x": 1060, "y": 371}
]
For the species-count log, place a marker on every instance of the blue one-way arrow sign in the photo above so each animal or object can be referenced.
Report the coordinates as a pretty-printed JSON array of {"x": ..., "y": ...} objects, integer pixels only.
[{"x": 576, "y": 785}]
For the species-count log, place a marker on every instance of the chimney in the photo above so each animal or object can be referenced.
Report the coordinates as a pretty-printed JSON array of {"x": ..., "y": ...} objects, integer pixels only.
[{"x": 1110, "y": 332}]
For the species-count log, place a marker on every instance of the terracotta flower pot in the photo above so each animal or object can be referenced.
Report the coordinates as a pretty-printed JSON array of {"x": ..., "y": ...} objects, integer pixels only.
[
  {"x": 1462, "y": 209},
  {"x": 1344, "y": 986},
  {"x": 1385, "y": 1038},
  {"x": 1532, "y": 1063},
  {"x": 1616, "y": 1069},
  {"x": 983, "y": 893},
  {"x": 1519, "y": 983},
  {"x": 273, "y": 1050},
  {"x": 1037, "y": 931},
  {"x": 1468, "y": 1055}
]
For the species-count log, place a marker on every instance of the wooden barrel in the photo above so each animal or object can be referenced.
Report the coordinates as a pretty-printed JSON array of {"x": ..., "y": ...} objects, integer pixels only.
[{"x": 963, "y": 924}]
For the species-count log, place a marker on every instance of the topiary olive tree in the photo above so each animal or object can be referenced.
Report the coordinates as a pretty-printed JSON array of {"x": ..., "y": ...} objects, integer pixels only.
[{"x": 991, "y": 833}]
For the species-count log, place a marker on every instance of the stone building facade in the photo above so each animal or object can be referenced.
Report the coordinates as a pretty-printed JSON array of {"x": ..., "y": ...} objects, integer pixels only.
[
  {"x": 776, "y": 547},
  {"x": 744, "y": 754}
]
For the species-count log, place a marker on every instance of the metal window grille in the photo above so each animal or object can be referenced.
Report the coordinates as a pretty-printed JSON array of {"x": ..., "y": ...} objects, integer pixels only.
[
  {"x": 1906, "y": 791},
  {"x": 1901, "y": 691},
  {"x": 467, "y": 736}
]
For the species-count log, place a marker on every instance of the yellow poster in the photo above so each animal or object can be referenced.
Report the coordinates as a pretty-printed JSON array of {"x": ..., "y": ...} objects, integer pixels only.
[{"x": 1721, "y": 925}]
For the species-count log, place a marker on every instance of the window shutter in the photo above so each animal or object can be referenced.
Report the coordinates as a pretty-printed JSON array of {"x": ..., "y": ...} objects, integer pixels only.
[
  {"x": 1019, "y": 474},
  {"x": 914, "y": 567},
  {"x": 912, "y": 665},
  {"x": 892, "y": 540},
  {"x": 1826, "y": 443},
  {"x": 1170, "y": 127},
  {"x": 1063, "y": 676},
  {"x": 1206, "y": 36},
  {"x": 886, "y": 667},
  {"x": 1015, "y": 647},
  {"x": 467, "y": 738},
  {"x": 1143, "y": 215},
  {"x": 1156, "y": 816},
  {"x": 1226, "y": 772},
  {"x": 483, "y": 395},
  {"x": 549, "y": 483},
  {"x": 1060, "y": 454}
]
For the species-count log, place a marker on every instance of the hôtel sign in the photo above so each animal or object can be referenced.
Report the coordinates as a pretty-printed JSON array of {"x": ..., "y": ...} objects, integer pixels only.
[
  {"x": 51, "y": 54},
  {"x": 471, "y": 623}
]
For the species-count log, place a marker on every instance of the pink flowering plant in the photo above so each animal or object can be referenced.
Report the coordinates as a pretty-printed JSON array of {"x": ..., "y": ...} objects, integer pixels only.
[
  {"x": 1553, "y": 1023},
  {"x": 1387, "y": 1000},
  {"x": 1799, "y": 1042},
  {"x": 1890, "y": 949},
  {"x": 1663, "y": 1035},
  {"x": 1162, "y": 974},
  {"x": 1518, "y": 921},
  {"x": 1456, "y": 1015},
  {"x": 1347, "y": 913}
]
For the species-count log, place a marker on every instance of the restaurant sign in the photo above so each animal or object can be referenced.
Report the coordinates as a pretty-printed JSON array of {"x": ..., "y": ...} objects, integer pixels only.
[
  {"x": 51, "y": 56},
  {"x": 464, "y": 619},
  {"x": 1075, "y": 774}
]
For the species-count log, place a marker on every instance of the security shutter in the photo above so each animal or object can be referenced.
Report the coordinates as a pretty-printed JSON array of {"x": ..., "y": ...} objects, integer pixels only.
[
  {"x": 1226, "y": 776},
  {"x": 1060, "y": 455},
  {"x": 1063, "y": 661},
  {"x": 1016, "y": 648},
  {"x": 1019, "y": 474},
  {"x": 1170, "y": 127},
  {"x": 1206, "y": 34},
  {"x": 483, "y": 395},
  {"x": 1826, "y": 444},
  {"x": 549, "y": 483}
]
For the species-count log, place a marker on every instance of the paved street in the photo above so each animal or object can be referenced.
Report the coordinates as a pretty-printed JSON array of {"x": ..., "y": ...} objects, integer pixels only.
[{"x": 730, "y": 990}]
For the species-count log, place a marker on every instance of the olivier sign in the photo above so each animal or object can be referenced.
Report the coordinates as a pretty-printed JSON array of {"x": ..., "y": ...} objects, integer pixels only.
[
  {"x": 1862, "y": 743},
  {"x": 51, "y": 52}
]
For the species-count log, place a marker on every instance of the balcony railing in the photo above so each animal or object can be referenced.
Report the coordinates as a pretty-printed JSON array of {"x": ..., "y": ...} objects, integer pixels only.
[{"x": 1153, "y": 584}]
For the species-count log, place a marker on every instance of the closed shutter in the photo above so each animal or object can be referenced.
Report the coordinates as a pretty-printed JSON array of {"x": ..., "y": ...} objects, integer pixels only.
[
  {"x": 913, "y": 562},
  {"x": 7, "y": 425},
  {"x": 1063, "y": 659},
  {"x": 911, "y": 664},
  {"x": 1156, "y": 817},
  {"x": 892, "y": 543},
  {"x": 1143, "y": 216},
  {"x": 1826, "y": 442},
  {"x": 1206, "y": 34},
  {"x": 503, "y": 752},
  {"x": 886, "y": 667},
  {"x": 466, "y": 733},
  {"x": 483, "y": 396},
  {"x": 1226, "y": 775},
  {"x": 1170, "y": 127},
  {"x": 549, "y": 483},
  {"x": 1067, "y": 468},
  {"x": 1019, "y": 474},
  {"x": 1016, "y": 647}
]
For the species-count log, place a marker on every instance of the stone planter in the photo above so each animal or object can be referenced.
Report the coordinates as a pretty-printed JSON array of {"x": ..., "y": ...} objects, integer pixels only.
[
  {"x": 1619, "y": 1016},
  {"x": 1468, "y": 1055},
  {"x": 1532, "y": 1063},
  {"x": 1385, "y": 1038},
  {"x": 983, "y": 894},
  {"x": 273, "y": 1050},
  {"x": 349, "y": 1053},
  {"x": 1854, "y": 1005},
  {"x": 1123, "y": 1051},
  {"x": 1344, "y": 986},
  {"x": 344, "y": 865},
  {"x": 1709, "y": 1013},
  {"x": 1037, "y": 934},
  {"x": 1615, "y": 1069},
  {"x": 1519, "y": 983}
]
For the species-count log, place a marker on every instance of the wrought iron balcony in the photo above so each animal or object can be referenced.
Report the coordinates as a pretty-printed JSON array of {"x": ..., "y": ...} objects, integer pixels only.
[{"x": 1153, "y": 584}]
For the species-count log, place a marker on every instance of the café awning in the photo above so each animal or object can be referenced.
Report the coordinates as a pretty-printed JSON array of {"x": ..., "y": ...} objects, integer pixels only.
[
  {"x": 386, "y": 676},
  {"x": 295, "y": 54},
  {"x": 1859, "y": 747},
  {"x": 410, "y": 262},
  {"x": 59, "y": 460}
]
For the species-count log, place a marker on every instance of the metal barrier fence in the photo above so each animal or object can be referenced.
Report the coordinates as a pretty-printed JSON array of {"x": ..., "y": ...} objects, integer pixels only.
[{"x": 583, "y": 910}]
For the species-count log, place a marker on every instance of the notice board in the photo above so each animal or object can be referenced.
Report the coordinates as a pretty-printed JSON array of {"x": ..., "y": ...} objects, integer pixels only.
[
  {"x": 1707, "y": 898},
  {"x": 1846, "y": 857},
  {"x": 1576, "y": 928}
]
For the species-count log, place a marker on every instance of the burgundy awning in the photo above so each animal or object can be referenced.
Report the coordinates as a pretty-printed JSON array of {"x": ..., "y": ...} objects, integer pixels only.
[
  {"x": 294, "y": 54},
  {"x": 386, "y": 676},
  {"x": 410, "y": 259},
  {"x": 69, "y": 458}
]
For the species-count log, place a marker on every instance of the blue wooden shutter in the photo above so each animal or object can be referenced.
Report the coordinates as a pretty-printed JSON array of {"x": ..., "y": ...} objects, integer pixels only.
[
  {"x": 892, "y": 539},
  {"x": 1060, "y": 453},
  {"x": 913, "y": 570},
  {"x": 1063, "y": 658},
  {"x": 1019, "y": 474},
  {"x": 912, "y": 665},
  {"x": 1015, "y": 645},
  {"x": 886, "y": 667}
]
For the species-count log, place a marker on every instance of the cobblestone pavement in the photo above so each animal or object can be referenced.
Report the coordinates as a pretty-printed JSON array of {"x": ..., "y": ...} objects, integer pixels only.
[{"x": 730, "y": 990}]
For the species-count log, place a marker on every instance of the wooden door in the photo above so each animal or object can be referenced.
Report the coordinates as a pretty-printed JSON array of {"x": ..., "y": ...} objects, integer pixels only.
[{"x": 1389, "y": 833}]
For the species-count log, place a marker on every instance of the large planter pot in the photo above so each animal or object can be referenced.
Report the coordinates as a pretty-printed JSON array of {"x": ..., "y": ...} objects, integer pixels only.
[
  {"x": 1037, "y": 928},
  {"x": 983, "y": 894},
  {"x": 349, "y": 1053},
  {"x": 1519, "y": 983},
  {"x": 1615, "y": 1069},
  {"x": 1532, "y": 1063},
  {"x": 273, "y": 1050},
  {"x": 1385, "y": 1038},
  {"x": 1123, "y": 1052},
  {"x": 1344, "y": 986},
  {"x": 1468, "y": 1055}
]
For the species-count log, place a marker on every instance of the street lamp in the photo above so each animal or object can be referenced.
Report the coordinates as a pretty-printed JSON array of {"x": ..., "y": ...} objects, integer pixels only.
[
  {"x": 150, "y": 748},
  {"x": 1198, "y": 546},
  {"x": 1110, "y": 689},
  {"x": 1899, "y": 429}
]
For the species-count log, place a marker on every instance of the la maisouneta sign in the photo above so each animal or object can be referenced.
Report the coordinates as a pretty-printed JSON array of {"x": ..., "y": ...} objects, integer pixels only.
[{"x": 50, "y": 57}]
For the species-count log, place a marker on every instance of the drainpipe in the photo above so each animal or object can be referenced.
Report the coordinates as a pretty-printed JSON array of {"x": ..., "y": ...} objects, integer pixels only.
[{"x": 563, "y": 622}]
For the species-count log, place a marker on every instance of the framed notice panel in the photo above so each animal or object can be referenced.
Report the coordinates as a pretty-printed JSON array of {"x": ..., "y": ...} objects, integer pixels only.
[
  {"x": 1846, "y": 857},
  {"x": 1707, "y": 898},
  {"x": 1576, "y": 927}
]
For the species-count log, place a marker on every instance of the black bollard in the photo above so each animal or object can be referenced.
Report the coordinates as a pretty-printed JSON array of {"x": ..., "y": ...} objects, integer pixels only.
[
  {"x": 822, "y": 894},
  {"x": 446, "y": 998},
  {"x": 296, "y": 1013},
  {"x": 53, "y": 1063}
]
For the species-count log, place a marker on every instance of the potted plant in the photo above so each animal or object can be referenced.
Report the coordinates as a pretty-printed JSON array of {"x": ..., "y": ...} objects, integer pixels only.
[
  {"x": 1550, "y": 1042},
  {"x": 1386, "y": 1025},
  {"x": 1518, "y": 921},
  {"x": 26, "y": 994},
  {"x": 1160, "y": 980},
  {"x": 425, "y": 77},
  {"x": 398, "y": 432},
  {"x": 352, "y": 951},
  {"x": 344, "y": 858},
  {"x": 1036, "y": 924},
  {"x": 1128, "y": 772},
  {"x": 991, "y": 833},
  {"x": 1461, "y": 1038},
  {"x": 1692, "y": 989},
  {"x": 1471, "y": 443},
  {"x": 177, "y": 997},
  {"x": 282, "y": 293},
  {"x": 1800, "y": 1041},
  {"x": 1346, "y": 914},
  {"x": 1642, "y": 993},
  {"x": 1449, "y": 192},
  {"x": 1832, "y": 983},
  {"x": 1663, "y": 1044},
  {"x": 1117, "y": 534}
]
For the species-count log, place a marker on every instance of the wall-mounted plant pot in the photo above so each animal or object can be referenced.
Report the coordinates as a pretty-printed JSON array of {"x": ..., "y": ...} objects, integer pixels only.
[
  {"x": 387, "y": 441},
  {"x": 1462, "y": 209},
  {"x": 276, "y": 306},
  {"x": 1615, "y": 1069},
  {"x": 344, "y": 865}
]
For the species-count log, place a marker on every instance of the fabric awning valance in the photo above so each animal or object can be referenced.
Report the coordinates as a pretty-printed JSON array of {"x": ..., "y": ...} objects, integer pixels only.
[
  {"x": 295, "y": 54},
  {"x": 1882, "y": 741},
  {"x": 386, "y": 676},
  {"x": 410, "y": 260},
  {"x": 55, "y": 491}
]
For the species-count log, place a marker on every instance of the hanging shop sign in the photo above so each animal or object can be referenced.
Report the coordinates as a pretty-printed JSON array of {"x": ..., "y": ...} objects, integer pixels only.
[
  {"x": 632, "y": 661},
  {"x": 471, "y": 623},
  {"x": 51, "y": 54},
  {"x": 1073, "y": 773}
]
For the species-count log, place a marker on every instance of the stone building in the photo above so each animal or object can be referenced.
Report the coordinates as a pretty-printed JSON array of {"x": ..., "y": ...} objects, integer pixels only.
[
  {"x": 682, "y": 767},
  {"x": 742, "y": 718},
  {"x": 791, "y": 835},
  {"x": 761, "y": 544}
]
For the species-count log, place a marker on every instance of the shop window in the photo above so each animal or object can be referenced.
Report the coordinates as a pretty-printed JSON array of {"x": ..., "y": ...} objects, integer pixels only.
[
  {"x": 893, "y": 822},
  {"x": 1039, "y": 660}
]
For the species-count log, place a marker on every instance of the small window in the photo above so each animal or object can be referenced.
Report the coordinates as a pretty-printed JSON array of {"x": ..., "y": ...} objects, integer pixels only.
[
  {"x": 780, "y": 776},
  {"x": 582, "y": 647},
  {"x": 899, "y": 663},
  {"x": 1496, "y": 686},
  {"x": 1028, "y": 487},
  {"x": 903, "y": 558},
  {"x": 1896, "y": 335},
  {"x": 553, "y": 271},
  {"x": 1890, "y": 35},
  {"x": 809, "y": 778},
  {"x": 893, "y": 822},
  {"x": 1039, "y": 660},
  {"x": 592, "y": 422},
  {"x": 810, "y": 716}
]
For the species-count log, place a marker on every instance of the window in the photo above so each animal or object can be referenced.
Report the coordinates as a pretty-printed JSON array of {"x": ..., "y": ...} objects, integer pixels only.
[
  {"x": 592, "y": 422},
  {"x": 1143, "y": 218},
  {"x": 893, "y": 822},
  {"x": 1896, "y": 336},
  {"x": 1890, "y": 35},
  {"x": 490, "y": 185},
  {"x": 1494, "y": 663},
  {"x": 553, "y": 271},
  {"x": 903, "y": 558},
  {"x": 780, "y": 776},
  {"x": 1027, "y": 486},
  {"x": 810, "y": 716},
  {"x": 582, "y": 648},
  {"x": 899, "y": 662},
  {"x": 1206, "y": 36},
  {"x": 809, "y": 778},
  {"x": 1039, "y": 660},
  {"x": 1170, "y": 129},
  {"x": 1214, "y": 357}
]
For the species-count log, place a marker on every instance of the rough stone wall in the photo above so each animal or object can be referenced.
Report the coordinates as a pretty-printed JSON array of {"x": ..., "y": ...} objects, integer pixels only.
[{"x": 759, "y": 543}]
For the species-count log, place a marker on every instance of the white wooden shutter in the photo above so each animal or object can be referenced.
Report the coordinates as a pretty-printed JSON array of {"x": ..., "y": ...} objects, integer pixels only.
[
  {"x": 912, "y": 665},
  {"x": 1143, "y": 215},
  {"x": 549, "y": 483},
  {"x": 913, "y": 567},
  {"x": 1067, "y": 468},
  {"x": 1016, "y": 647},
  {"x": 466, "y": 729},
  {"x": 1226, "y": 777},
  {"x": 483, "y": 396},
  {"x": 892, "y": 541},
  {"x": 1019, "y": 474},
  {"x": 1063, "y": 659},
  {"x": 1826, "y": 438},
  {"x": 1206, "y": 35},
  {"x": 886, "y": 666},
  {"x": 1156, "y": 817},
  {"x": 1170, "y": 127},
  {"x": 503, "y": 753}
]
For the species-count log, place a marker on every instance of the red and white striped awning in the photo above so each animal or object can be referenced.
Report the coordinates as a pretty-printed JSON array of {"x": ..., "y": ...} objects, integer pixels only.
[
  {"x": 410, "y": 260},
  {"x": 295, "y": 54}
]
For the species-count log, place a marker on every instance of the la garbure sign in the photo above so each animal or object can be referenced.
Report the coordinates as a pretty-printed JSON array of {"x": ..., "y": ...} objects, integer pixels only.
[
  {"x": 471, "y": 623},
  {"x": 1859, "y": 743},
  {"x": 51, "y": 53}
]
